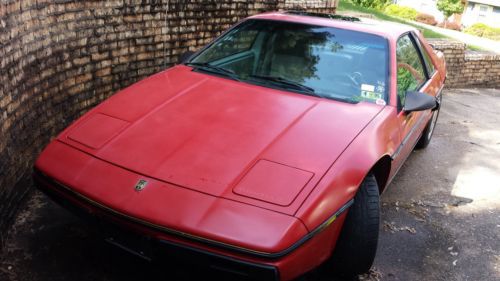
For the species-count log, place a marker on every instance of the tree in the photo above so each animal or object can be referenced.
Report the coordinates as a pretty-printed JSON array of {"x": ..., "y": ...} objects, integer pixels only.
[{"x": 450, "y": 7}]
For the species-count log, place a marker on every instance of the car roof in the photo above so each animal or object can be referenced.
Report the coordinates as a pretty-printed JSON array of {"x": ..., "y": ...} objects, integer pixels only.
[{"x": 386, "y": 29}]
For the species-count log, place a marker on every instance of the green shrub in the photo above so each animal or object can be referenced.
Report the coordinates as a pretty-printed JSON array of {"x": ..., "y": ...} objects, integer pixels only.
[
  {"x": 376, "y": 4},
  {"x": 401, "y": 12},
  {"x": 483, "y": 30},
  {"x": 476, "y": 29},
  {"x": 426, "y": 18}
]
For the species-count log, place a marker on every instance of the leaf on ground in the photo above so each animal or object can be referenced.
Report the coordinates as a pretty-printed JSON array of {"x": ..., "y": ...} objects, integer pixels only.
[
  {"x": 372, "y": 275},
  {"x": 393, "y": 228}
]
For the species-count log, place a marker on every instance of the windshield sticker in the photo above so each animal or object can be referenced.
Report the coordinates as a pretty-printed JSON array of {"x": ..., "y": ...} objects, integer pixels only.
[
  {"x": 368, "y": 88},
  {"x": 380, "y": 102},
  {"x": 370, "y": 95}
]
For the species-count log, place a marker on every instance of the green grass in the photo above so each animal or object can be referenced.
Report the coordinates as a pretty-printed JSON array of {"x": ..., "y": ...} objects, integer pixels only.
[
  {"x": 474, "y": 48},
  {"x": 348, "y": 6}
]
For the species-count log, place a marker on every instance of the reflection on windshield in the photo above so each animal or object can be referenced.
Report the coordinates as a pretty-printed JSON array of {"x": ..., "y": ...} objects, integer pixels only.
[{"x": 332, "y": 63}]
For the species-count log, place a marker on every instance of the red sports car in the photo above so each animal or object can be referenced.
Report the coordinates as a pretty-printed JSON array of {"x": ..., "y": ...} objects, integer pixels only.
[{"x": 263, "y": 154}]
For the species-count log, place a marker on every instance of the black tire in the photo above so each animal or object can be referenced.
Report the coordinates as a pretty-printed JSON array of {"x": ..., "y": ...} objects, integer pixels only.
[
  {"x": 357, "y": 244},
  {"x": 426, "y": 136}
]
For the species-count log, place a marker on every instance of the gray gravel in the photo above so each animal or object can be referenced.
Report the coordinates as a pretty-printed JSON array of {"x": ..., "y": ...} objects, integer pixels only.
[{"x": 440, "y": 216}]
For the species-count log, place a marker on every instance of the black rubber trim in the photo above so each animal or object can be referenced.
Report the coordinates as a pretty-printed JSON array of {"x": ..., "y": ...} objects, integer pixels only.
[
  {"x": 438, "y": 106},
  {"x": 65, "y": 189},
  {"x": 219, "y": 262},
  {"x": 407, "y": 137}
]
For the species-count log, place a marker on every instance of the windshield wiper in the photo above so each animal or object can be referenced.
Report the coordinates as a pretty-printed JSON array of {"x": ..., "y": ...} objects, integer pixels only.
[
  {"x": 288, "y": 83},
  {"x": 213, "y": 68}
]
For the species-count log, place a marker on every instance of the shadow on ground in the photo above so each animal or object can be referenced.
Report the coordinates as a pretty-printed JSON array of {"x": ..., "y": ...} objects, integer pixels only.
[{"x": 440, "y": 216}]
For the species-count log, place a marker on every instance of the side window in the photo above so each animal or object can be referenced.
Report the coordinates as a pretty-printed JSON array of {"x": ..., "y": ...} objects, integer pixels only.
[
  {"x": 427, "y": 59},
  {"x": 411, "y": 75}
]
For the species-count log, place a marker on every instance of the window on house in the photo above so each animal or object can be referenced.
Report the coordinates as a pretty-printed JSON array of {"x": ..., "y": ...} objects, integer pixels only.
[
  {"x": 483, "y": 11},
  {"x": 470, "y": 7}
]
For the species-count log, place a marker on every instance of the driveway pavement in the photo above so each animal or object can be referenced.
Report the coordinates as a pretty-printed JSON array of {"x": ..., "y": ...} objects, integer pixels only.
[
  {"x": 450, "y": 194},
  {"x": 440, "y": 216}
]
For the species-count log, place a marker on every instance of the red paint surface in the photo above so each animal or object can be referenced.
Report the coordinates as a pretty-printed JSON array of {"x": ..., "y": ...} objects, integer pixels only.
[
  {"x": 287, "y": 182},
  {"x": 97, "y": 130},
  {"x": 231, "y": 162}
]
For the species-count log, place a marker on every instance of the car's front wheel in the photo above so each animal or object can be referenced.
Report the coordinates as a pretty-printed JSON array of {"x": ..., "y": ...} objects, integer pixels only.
[{"x": 357, "y": 244}]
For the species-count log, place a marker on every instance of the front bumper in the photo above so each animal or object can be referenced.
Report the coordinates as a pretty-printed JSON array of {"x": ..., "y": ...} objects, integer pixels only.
[{"x": 145, "y": 243}]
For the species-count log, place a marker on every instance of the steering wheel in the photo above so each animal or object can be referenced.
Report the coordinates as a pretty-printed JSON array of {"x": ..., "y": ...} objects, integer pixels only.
[
  {"x": 356, "y": 78},
  {"x": 352, "y": 80},
  {"x": 345, "y": 84}
]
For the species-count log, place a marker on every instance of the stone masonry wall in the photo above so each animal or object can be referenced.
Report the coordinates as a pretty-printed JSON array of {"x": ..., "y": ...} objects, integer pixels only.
[
  {"x": 321, "y": 6},
  {"x": 59, "y": 58},
  {"x": 468, "y": 69}
]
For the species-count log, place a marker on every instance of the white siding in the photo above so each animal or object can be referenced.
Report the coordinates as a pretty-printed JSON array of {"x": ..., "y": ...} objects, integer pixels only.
[{"x": 486, "y": 14}]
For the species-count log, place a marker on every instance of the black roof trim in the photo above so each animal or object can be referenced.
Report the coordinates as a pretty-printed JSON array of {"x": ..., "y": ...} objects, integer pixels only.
[{"x": 321, "y": 15}]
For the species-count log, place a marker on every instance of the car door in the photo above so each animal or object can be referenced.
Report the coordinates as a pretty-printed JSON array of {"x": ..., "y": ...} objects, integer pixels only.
[{"x": 415, "y": 72}]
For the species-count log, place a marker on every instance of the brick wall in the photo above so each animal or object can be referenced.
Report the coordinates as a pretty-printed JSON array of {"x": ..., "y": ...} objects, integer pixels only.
[
  {"x": 466, "y": 68},
  {"x": 59, "y": 58},
  {"x": 318, "y": 5}
]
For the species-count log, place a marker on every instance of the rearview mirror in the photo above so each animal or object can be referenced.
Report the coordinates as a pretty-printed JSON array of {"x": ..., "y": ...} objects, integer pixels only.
[
  {"x": 417, "y": 101},
  {"x": 185, "y": 56}
]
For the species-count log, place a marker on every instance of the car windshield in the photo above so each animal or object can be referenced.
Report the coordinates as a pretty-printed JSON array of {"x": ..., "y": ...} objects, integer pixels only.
[{"x": 322, "y": 61}]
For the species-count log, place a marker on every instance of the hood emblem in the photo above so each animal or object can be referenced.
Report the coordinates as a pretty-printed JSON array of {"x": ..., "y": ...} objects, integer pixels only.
[{"x": 140, "y": 185}]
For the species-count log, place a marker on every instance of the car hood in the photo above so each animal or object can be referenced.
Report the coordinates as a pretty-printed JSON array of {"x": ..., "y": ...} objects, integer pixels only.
[{"x": 221, "y": 137}]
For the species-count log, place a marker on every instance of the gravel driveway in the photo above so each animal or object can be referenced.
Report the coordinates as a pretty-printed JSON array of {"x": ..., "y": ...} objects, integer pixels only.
[{"x": 440, "y": 216}]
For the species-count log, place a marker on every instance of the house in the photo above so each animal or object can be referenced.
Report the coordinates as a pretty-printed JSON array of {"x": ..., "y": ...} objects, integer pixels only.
[{"x": 482, "y": 11}]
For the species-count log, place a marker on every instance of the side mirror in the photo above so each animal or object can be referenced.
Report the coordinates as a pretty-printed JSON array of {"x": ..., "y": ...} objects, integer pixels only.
[
  {"x": 417, "y": 101},
  {"x": 185, "y": 56}
]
